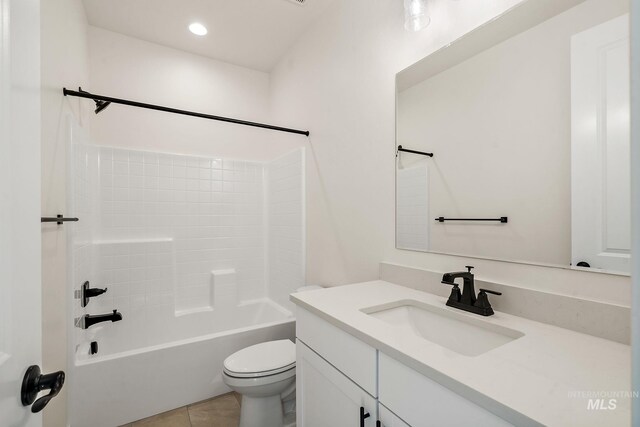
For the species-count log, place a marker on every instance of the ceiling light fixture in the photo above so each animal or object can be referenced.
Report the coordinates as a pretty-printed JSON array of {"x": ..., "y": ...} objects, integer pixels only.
[
  {"x": 198, "y": 29},
  {"x": 415, "y": 15}
]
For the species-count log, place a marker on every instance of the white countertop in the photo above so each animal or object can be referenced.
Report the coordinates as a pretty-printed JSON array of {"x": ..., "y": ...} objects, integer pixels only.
[{"x": 529, "y": 380}]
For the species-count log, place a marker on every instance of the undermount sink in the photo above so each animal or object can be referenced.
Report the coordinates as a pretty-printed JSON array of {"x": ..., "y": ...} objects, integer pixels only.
[{"x": 458, "y": 332}]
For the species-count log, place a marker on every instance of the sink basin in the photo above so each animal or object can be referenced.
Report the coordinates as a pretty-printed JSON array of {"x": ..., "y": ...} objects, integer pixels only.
[{"x": 466, "y": 335}]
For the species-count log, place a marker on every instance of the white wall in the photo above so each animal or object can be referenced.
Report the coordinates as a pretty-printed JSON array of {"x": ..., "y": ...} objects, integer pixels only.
[
  {"x": 64, "y": 59},
  {"x": 130, "y": 68},
  {"x": 338, "y": 81},
  {"x": 510, "y": 154}
]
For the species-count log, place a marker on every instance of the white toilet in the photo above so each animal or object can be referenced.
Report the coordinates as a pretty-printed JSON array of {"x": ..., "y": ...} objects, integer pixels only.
[{"x": 265, "y": 375}]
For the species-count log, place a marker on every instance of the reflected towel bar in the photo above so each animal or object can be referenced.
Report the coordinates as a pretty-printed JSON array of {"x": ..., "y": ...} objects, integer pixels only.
[
  {"x": 502, "y": 219},
  {"x": 422, "y": 153},
  {"x": 103, "y": 101},
  {"x": 59, "y": 219}
]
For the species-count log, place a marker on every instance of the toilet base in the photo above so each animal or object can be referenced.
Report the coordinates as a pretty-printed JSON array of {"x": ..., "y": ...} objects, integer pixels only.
[
  {"x": 290, "y": 419},
  {"x": 261, "y": 411}
]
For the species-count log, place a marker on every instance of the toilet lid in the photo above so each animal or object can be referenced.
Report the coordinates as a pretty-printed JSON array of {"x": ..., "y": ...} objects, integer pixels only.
[{"x": 262, "y": 359}]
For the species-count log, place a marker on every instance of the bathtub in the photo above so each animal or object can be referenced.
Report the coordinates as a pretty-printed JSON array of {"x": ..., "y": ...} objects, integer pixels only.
[{"x": 114, "y": 388}]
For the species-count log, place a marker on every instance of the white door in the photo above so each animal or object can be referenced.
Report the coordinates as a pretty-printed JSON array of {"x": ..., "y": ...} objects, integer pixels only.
[
  {"x": 19, "y": 205},
  {"x": 600, "y": 144},
  {"x": 325, "y": 397}
]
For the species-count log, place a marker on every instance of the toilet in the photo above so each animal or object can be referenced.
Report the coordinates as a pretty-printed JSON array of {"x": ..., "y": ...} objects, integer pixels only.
[{"x": 265, "y": 375}]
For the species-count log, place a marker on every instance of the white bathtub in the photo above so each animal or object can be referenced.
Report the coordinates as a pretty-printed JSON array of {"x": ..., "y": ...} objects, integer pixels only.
[{"x": 114, "y": 389}]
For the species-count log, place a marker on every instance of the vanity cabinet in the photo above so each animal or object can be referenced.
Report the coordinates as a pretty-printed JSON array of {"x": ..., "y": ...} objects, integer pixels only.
[
  {"x": 336, "y": 376},
  {"x": 340, "y": 378},
  {"x": 420, "y": 401},
  {"x": 389, "y": 419},
  {"x": 326, "y": 397}
]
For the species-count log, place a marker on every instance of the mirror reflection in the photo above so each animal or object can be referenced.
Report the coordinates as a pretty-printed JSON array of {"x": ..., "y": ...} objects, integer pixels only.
[{"x": 530, "y": 142}]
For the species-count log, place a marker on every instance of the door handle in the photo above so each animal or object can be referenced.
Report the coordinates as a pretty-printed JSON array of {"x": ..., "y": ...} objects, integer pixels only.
[
  {"x": 34, "y": 382},
  {"x": 363, "y": 416}
]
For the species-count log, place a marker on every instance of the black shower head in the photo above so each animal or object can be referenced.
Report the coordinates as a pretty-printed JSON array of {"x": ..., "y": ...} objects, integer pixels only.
[{"x": 101, "y": 105}]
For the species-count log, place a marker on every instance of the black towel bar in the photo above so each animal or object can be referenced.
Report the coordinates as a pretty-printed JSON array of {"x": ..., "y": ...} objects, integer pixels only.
[
  {"x": 59, "y": 219},
  {"x": 502, "y": 219}
]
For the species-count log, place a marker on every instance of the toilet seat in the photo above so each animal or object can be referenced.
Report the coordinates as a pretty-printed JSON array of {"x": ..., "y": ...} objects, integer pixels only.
[
  {"x": 260, "y": 374},
  {"x": 262, "y": 360}
]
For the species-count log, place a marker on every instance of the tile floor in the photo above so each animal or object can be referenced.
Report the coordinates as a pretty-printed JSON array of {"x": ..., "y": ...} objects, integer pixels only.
[{"x": 221, "y": 411}]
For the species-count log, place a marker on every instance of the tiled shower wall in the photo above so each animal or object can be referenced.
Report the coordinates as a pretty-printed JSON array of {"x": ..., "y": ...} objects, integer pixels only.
[
  {"x": 286, "y": 236},
  {"x": 211, "y": 210},
  {"x": 155, "y": 227},
  {"x": 412, "y": 211}
]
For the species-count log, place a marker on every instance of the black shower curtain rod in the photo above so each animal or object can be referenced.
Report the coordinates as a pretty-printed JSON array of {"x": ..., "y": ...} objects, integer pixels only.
[{"x": 103, "y": 101}]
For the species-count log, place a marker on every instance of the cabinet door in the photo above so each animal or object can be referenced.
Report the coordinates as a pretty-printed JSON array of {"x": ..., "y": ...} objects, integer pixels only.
[
  {"x": 422, "y": 402},
  {"x": 389, "y": 419},
  {"x": 325, "y": 397}
]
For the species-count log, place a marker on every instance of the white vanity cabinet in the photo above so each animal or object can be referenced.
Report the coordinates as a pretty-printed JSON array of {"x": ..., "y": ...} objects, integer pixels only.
[
  {"x": 420, "y": 401},
  {"x": 340, "y": 378},
  {"x": 389, "y": 419},
  {"x": 336, "y": 376},
  {"x": 325, "y": 397}
]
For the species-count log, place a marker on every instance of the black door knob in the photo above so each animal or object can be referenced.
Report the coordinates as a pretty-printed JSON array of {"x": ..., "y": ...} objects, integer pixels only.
[{"x": 34, "y": 382}]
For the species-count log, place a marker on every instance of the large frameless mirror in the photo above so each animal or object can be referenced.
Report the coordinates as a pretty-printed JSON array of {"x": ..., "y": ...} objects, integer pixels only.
[{"x": 528, "y": 122}]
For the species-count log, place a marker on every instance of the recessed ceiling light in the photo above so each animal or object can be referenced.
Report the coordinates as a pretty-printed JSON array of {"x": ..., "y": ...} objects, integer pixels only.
[{"x": 198, "y": 29}]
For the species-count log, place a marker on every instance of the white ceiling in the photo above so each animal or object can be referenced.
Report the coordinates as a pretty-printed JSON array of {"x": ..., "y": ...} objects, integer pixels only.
[{"x": 250, "y": 33}]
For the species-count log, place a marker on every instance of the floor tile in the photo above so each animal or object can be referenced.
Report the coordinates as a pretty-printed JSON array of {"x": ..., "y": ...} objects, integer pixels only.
[
  {"x": 222, "y": 411},
  {"x": 239, "y": 397},
  {"x": 176, "y": 418}
]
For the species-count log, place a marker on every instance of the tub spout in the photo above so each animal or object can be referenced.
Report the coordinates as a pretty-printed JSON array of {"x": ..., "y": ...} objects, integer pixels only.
[{"x": 88, "y": 319}]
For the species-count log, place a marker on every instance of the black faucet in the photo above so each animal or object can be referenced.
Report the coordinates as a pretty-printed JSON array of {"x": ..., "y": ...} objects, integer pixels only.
[
  {"x": 467, "y": 300},
  {"x": 87, "y": 320}
]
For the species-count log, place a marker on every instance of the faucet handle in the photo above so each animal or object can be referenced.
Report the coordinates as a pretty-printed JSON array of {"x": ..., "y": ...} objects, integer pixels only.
[
  {"x": 469, "y": 268},
  {"x": 482, "y": 302}
]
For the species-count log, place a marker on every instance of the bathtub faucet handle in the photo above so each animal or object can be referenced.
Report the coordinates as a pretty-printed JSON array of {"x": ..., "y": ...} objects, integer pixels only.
[{"x": 86, "y": 292}]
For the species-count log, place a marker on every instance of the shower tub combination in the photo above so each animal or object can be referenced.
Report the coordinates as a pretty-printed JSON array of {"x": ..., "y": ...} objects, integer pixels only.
[
  {"x": 131, "y": 385},
  {"x": 199, "y": 256}
]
